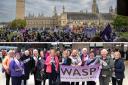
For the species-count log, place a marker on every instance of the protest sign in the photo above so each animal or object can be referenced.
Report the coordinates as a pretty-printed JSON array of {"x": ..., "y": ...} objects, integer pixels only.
[{"x": 79, "y": 73}]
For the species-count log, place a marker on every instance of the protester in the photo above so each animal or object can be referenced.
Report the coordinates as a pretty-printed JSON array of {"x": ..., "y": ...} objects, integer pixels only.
[
  {"x": 40, "y": 69},
  {"x": 46, "y": 66},
  {"x": 119, "y": 68},
  {"x": 35, "y": 57},
  {"x": 52, "y": 65},
  {"x": 69, "y": 52},
  {"x": 92, "y": 61},
  {"x": 107, "y": 66},
  {"x": 66, "y": 34},
  {"x": 58, "y": 54},
  {"x": 16, "y": 69},
  {"x": 65, "y": 58},
  {"x": 43, "y": 58},
  {"x": 6, "y": 63},
  {"x": 84, "y": 57},
  {"x": 28, "y": 65},
  {"x": 75, "y": 58},
  {"x": 47, "y": 54},
  {"x": 66, "y": 61},
  {"x": 75, "y": 61},
  {"x": 4, "y": 53}
]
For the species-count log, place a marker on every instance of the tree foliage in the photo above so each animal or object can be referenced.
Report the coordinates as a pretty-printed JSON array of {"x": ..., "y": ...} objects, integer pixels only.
[
  {"x": 18, "y": 24},
  {"x": 120, "y": 21}
]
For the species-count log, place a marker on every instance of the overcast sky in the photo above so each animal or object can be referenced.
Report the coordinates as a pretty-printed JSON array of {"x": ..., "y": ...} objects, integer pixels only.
[{"x": 8, "y": 7}]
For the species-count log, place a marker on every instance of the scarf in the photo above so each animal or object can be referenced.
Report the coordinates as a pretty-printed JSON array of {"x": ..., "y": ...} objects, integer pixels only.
[{"x": 19, "y": 64}]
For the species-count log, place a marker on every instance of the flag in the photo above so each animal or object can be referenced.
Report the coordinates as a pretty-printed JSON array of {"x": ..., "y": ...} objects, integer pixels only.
[
  {"x": 67, "y": 30},
  {"x": 90, "y": 32},
  {"x": 106, "y": 33}
]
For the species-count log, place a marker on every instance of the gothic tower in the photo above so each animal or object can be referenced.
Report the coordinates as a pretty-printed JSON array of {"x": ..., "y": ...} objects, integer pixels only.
[
  {"x": 95, "y": 8},
  {"x": 63, "y": 9},
  {"x": 111, "y": 10},
  {"x": 20, "y": 9},
  {"x": 55, "y": 11}
]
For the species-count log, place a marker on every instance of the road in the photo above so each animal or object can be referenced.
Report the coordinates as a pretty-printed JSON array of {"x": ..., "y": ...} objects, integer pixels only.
[{"x": 31, "y": 80}]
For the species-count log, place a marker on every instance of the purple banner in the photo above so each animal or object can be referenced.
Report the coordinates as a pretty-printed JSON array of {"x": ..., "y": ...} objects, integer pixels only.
[{"x": 79, "y": 73}]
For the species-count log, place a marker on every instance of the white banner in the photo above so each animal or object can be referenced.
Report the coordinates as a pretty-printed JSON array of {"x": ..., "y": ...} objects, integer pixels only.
[{"x": 79, "y": 73}]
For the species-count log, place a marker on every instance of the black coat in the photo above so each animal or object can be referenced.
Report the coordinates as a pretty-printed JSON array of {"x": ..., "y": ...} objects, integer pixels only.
[
  {"x": 39, "y": 74},
  {"x": 119, "y": 68},
  {"x": 29, "y": 64},
  {"x": 68, "y": 62}
]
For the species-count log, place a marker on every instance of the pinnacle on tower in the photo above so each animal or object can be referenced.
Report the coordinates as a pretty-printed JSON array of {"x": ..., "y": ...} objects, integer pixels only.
[
  {"x": 95, "y": 8},
  {"x": 55, "y": 11},
  {"x": 111, "y": 9},
  {"x": 63, "y": 9}
]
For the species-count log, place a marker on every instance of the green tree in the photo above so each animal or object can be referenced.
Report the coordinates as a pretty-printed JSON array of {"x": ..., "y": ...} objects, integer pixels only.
[
  {"x": 120, "y": 21},
  {"x": 18, "y": 24}
]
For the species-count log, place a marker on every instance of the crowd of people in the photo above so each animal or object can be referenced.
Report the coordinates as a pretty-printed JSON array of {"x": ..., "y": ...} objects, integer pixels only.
[
  {"x": 45, "y": 65},
  {"x": 66, "y": 34}
]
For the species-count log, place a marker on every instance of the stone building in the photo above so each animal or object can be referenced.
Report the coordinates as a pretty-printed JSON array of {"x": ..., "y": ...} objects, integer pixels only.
[
  {"x": 80, "y": 18},
  {"x": 65, "y": 18},
  {"x": 41, "y": 22}
]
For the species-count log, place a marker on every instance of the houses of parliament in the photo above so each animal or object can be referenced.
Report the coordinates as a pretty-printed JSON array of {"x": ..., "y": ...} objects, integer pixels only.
[{"x": 74, "y": 18}]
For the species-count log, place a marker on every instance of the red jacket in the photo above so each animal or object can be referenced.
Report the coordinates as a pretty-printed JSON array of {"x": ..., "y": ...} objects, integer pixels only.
[{"x": 49, "y": 66}]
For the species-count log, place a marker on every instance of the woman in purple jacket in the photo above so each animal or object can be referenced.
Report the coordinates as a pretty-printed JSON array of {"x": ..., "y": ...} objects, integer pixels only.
[{"x": 16, "y": 70}]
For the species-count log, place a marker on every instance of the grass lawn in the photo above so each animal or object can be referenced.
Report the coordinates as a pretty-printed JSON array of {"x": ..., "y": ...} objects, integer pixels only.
[{"x": 124, "y": 34}]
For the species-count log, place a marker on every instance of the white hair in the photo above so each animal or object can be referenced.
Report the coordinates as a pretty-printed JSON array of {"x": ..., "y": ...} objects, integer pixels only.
[
  {"x": 26, "y": 52},
  {"x": 10, "y": 51},
  {"x": 104, "y": 50},
  {"x": 35, "y": 50},
  {"x": 84, "y": 49}
]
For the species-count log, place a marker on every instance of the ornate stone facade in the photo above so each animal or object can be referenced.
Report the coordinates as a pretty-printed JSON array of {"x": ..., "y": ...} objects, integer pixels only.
[
  {"x": 73, "y": 18},
  {"x": 41, "y": 22}
]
